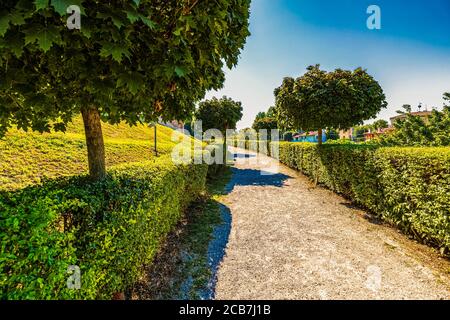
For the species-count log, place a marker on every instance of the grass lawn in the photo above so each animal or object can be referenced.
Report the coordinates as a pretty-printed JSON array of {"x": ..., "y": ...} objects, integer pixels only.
[{"x": 27, "y": 158}]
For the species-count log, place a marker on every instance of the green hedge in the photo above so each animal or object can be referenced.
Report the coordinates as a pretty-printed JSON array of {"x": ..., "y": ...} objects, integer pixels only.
[
  {"x": 109, "y": 229},
  {"x": 407, "y": 187},
  {"x": 252, "y": 145}
]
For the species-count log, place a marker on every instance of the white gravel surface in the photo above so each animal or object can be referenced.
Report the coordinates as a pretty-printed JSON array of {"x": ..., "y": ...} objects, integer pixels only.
[{"x": 291, "y": 240}]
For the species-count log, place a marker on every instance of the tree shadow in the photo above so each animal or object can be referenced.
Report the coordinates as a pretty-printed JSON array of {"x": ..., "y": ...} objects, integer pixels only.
[
  {"x": 186, "y": 266},
  {"x": 252, "y": 177},
  {"x": 243, "y": 155},
  {"x": 216, "y": 251}
]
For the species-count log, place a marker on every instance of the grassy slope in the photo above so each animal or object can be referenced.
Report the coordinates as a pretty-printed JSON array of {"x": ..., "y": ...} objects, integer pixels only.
[{"x": 27, "y": 158}]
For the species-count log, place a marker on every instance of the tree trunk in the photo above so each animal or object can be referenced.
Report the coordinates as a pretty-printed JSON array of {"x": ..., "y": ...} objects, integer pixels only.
[
  {"x": 320, "y": 133},
  {"x": 119, "y": 296},
  {"x": 94, "y": 141},
  {"x": 225, "y": 147}
]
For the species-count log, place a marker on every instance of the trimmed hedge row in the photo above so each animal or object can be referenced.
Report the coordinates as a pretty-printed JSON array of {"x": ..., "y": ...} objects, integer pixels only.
[
  {"x": 253, "y": 145},
  {"x": 109, "y": 229},
  {"x": 407, "y": 187}
]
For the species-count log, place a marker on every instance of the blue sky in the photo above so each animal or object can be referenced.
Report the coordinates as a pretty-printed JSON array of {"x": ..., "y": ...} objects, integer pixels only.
[{"x": 409, "y": 56}]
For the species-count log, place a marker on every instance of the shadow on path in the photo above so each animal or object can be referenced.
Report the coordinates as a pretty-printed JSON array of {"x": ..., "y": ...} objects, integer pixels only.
[
  {"x": 216, "y": 251},
  {"x": 243, "y": 156},
  {"x": 253, "y": 177}
]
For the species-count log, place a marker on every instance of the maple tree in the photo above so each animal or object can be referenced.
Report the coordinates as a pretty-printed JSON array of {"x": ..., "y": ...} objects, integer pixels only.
[
  {"x": 319, "y": 99},
  {"x": 133, "y": 61},
  {"x": 222, "y": 114},
  {"x": 266, "y": 120}
]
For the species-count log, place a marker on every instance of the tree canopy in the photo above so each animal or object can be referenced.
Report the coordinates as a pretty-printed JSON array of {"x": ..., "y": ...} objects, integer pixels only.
[
  {"x": 266, "y": 120},
  {"x": 132, "y": 61},
  {"x": 339, "y": 99},
  {"x": 221, "y": 114},
  {"x": 380, "y": 124},
  {"x": 260, "y": 115},
  {"x": 266, "y": 123}
]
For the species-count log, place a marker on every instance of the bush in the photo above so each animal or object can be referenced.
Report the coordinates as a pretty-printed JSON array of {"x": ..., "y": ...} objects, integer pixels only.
[
  {"x": 109, "y": 229},
  {"x": 416, "y": 185},
  {"x": 340, "y": 141},
  {"x": 407, "y": 187},
  {"x": 253, "y": 145}
]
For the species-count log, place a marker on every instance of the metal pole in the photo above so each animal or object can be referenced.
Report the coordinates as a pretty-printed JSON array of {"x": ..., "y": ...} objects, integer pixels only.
[{"x": 156, "y": 141}]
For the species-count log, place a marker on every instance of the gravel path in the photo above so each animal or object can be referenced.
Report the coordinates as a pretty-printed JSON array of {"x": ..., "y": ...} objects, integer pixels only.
[{"x": 291, "y": 240}]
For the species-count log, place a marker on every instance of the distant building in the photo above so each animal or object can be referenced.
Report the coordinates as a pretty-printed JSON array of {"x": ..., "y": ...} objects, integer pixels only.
[
  {"x": 346, "y": 134},
  {"x": 372, "y": 135},
  {"x": 174, "y": 124},
  {"x": 425, "y": 115}
]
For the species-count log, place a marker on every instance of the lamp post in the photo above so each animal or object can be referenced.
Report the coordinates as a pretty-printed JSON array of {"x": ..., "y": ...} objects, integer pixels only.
[{"x": 156, "y": 140}]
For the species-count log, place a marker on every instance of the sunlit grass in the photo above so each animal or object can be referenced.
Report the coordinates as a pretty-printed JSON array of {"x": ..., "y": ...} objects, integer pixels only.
[{"x": 26, "y": 158}]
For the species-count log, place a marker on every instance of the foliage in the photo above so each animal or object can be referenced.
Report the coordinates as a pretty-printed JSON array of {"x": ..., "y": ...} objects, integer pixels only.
[
  {"x": 30, "y": 158},
  {"x": 261, "y": 146},
  {"x": 184, "y": 269},
  {"x": 108, "y": 228},
  {"x": 414, "y": 131},
  {"x": 332, "y": 134},
  {"x": 406, "y": 107},
  {"x": 362, "y": 129},
  {"x": 288, "y": 136},
  {"x": 380, "y": 124},
  {"x": 320, "y": 99},
  {"x": 133, "y": 60},
  {"x": 271, "y": 112},
  {"x": 221, "y": 114},
  {"x": 265, "y": 124},
  {"x": 407, "y": 187},
  {"x": 260, "y": 115},
  {"x": 359, "y": 132},
  {"x": 340, "y": 141},
  {"x": 266, "y": 120}
]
